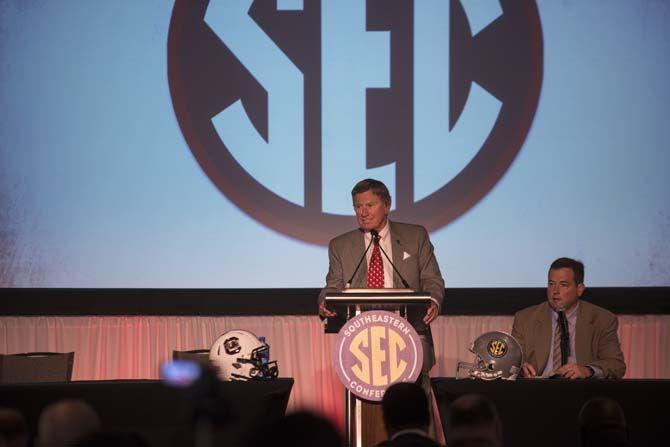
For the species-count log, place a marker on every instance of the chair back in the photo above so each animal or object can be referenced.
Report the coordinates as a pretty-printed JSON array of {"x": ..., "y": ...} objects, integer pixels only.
[
  {"x": 199, "y": 356},
  {"x": 32, "y": 367}
]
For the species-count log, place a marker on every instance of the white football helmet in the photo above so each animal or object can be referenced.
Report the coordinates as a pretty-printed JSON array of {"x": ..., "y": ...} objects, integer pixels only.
[
  {"x": 240, "y": 355},
  {"x": 497, "y": 356}
]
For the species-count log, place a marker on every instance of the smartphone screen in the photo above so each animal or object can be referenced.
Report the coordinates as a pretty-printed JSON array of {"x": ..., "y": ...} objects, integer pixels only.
[{"x": 180, "y": 373}]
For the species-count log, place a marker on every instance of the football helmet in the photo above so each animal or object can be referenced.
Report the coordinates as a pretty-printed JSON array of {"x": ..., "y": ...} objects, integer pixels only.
[
  {"x": 497, "y": 356},
  {"x": 240, "y": 355}
]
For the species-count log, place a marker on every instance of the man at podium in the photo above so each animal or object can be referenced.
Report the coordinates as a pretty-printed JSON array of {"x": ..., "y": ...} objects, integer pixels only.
[{"x": 366, "y": 257}]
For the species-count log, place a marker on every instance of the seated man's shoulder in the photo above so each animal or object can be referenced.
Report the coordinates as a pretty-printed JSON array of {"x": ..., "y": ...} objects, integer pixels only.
[
  {"x": 532, "y": 311},
  {"x": 596, "y": 312}
]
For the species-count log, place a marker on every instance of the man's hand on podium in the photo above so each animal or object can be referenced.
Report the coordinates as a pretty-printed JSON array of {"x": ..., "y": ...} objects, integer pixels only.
[
  {"x": 431, "y": 314},
  {"x": 324, "y": 312}
]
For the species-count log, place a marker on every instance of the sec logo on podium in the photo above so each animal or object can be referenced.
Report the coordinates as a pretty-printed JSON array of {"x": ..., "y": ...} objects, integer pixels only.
[{"x": 375, "y": 350}]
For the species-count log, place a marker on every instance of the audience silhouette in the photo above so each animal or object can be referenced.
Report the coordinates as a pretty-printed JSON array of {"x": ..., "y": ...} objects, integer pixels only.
[
  {"x": 602, "y": 423},
  {"x": 66, "y": 423},
  {"x": 13, "y": 428},
  {"x": 473, "y": 421},
  {"x": 299, "y": 429},
  {"x": 406, "y": 416}
]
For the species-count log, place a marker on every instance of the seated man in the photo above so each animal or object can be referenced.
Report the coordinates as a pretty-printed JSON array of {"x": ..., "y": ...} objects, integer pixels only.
[
  {"x": 406, "y": 416},
  {"x": 591, "y": 347}
]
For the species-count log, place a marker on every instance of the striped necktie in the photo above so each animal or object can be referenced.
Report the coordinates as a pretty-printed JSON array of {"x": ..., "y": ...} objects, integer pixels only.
[{"x": 556, "y": 356}]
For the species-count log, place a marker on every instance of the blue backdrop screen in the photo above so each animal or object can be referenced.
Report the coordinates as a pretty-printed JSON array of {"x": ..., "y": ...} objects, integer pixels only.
[{"x": 215, "y": 144}]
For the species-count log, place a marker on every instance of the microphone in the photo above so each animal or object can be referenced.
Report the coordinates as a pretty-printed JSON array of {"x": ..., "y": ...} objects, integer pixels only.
[
  {"x": 348, "y": 284},
  {"x": 565, "y": 336},
  {"x": 375, "y": 238}
]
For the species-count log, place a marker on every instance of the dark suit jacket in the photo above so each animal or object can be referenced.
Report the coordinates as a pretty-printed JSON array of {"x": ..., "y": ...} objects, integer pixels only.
[
  {"x": 596, "y": 339},
  {"x": 412, "y": 255}
]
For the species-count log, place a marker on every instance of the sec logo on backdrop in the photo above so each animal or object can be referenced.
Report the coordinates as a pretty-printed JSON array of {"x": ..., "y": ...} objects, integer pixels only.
[{"x": 286, "y": 104}]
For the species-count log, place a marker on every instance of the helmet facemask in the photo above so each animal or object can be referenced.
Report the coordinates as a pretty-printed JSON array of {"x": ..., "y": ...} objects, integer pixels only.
[{"x": 259, "y": 366}]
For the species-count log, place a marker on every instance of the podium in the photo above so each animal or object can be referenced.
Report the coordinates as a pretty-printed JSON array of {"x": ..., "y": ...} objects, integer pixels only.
[{"x": 364, "y": 426}]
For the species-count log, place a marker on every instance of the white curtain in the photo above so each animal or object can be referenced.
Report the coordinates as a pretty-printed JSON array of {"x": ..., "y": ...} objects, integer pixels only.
[{"x": 133, "y": 347}]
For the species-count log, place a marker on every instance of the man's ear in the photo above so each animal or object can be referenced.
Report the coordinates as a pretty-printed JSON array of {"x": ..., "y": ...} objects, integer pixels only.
[{"x": 580, "y": 289}]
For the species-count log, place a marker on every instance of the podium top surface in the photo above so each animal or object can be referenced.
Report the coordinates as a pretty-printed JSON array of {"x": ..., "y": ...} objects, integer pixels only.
[
  {"x": 381, "y": 291},
  {"x": 381, "y": 296}
]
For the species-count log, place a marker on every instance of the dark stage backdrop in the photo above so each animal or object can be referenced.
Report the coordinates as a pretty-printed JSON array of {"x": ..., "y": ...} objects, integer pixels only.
[
  {"x": 241, "y": 302},
  {"x": 212, "y": 145}
]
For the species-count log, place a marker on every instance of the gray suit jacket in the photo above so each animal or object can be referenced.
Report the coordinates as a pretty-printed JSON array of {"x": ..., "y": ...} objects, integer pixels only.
[
  {"x": 413, "y": 257},
  {"x": 596, "y": 342}
]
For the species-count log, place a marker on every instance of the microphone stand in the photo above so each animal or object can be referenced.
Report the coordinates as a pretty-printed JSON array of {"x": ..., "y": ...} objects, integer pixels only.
[
  {"x": 375, "y": 238},
  {"x": 348, "y": 284}
]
